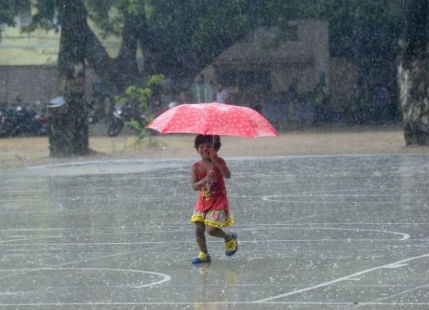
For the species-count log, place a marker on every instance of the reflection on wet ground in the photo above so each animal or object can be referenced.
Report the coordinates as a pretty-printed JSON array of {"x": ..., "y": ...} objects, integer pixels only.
[{"x": 328, "y": 232}]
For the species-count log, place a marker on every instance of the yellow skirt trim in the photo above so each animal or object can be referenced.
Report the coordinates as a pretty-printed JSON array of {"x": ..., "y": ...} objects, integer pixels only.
[{"x": 209, "y": 221}]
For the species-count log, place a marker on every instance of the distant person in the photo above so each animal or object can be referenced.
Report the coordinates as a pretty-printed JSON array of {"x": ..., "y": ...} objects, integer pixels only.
[
  {"x": 202, "y": 91},
  {"x": 211, "y": 211},
  {"x": 209, "y": 92},
  {"x": 320, "y": 100},
  {"x": 197, "y": 90},
  {"x": 292, "y": 100},
  {"x": 221, "y": 95},
  {"x": 319, "y": 107},
  {"x": 380, "y": 104}
]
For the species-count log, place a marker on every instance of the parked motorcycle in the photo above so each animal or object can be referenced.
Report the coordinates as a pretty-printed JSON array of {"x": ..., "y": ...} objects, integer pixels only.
[
  {"x": 15, "y": 121},
  {"x": 125, "y": 113},
  {"x": 21, "y": 120},
  {"x": 40, "y": 124},
  {"x": 5, "y": 125}
]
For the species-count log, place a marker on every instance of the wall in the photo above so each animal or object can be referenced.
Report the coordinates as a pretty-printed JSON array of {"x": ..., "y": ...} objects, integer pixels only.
[{"x": 32, "y": 83}]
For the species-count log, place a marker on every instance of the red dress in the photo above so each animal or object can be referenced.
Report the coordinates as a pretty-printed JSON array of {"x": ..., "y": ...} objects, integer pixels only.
[{"x": 212, "y": 205}]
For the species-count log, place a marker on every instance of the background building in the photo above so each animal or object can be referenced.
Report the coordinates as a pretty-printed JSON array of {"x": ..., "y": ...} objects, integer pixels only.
[{"x": 286, "y": 78}]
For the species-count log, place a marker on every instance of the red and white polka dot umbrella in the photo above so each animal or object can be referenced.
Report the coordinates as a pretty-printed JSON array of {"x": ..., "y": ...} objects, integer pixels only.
[{"x": 213, "y": 119}]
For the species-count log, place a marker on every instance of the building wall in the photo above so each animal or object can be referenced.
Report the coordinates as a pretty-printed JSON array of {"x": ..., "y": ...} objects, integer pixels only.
[
  {"x": 32, "y": 83},
  {"x": 302, "y": 76}
]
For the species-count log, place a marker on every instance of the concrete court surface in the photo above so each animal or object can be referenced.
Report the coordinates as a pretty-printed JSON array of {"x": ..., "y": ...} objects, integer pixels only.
[{"x": 315, "y": 232}]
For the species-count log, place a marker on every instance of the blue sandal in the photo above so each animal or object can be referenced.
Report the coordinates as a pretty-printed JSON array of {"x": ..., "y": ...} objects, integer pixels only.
[
  {"x": 231, "y": 245},
  {"x": 201, "y": 258}
]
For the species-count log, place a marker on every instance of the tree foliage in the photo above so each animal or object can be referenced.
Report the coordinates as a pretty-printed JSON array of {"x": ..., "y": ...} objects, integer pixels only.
[
  {"x": 9, "y": 10},
  {"x": 140, "y": 96}
]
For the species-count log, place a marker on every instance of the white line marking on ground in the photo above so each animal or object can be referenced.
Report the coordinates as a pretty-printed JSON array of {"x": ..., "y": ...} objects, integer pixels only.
[
  {"x": 24, "y": 271},
  {"x": 404, "y": 235},
  {"x": 390, "y": 265},
  {"x": 164, "y": 277}
]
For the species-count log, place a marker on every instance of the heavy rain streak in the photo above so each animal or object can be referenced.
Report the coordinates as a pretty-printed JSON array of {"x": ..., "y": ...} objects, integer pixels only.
[{"x": 229, "y": 155}]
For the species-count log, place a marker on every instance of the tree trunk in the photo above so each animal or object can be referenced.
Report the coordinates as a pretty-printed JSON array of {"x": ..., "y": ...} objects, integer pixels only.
[
  {"x": 413, "y": 75},
  {"x": 120, "y": 72},
  {"x": 69, "y": 127}
]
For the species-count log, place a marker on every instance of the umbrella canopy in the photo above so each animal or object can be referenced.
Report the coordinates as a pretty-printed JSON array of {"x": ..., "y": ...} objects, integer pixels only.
[{"x": 213, "y": 119}]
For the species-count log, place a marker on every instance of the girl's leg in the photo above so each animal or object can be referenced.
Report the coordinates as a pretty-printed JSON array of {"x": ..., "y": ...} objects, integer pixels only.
[
  {"x": 201, "y": 238},
  {"x": 217, "y": 232},
  {"x": 231, "y": 244}
]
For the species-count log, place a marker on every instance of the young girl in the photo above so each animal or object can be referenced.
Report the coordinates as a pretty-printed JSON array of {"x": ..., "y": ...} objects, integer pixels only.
[{"x": 211, "y": 212}]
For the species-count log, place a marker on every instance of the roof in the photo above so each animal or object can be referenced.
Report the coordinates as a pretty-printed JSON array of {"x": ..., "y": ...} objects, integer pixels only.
[{"x": 259, "y": 47}]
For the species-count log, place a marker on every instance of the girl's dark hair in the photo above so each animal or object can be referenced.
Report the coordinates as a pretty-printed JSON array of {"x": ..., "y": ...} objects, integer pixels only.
[{"x": 215, "y": 140}]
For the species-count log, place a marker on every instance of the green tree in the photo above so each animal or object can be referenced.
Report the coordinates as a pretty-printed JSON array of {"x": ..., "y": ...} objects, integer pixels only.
[
  {"x": 117, "y": 72},
  {"x": 69, "y": 129},
  {"x": 139, "y": 96},
  {"x": 79, "y": 46}
]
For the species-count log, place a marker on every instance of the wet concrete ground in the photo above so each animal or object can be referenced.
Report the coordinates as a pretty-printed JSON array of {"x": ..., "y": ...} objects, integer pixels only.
[{"x": 327, "y": 232}]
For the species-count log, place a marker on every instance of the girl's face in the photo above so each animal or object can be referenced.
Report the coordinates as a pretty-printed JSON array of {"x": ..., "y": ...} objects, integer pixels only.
[{"x": 205, "y": 150}]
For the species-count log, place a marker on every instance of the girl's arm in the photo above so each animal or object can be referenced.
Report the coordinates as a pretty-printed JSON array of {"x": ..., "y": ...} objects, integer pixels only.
[
  {"x": 222, "y": 166},
  {"x": 198, "y": 184}
]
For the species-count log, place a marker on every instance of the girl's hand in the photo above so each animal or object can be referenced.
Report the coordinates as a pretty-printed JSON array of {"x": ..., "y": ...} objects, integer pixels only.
[{"x": 211, "y": 176}]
